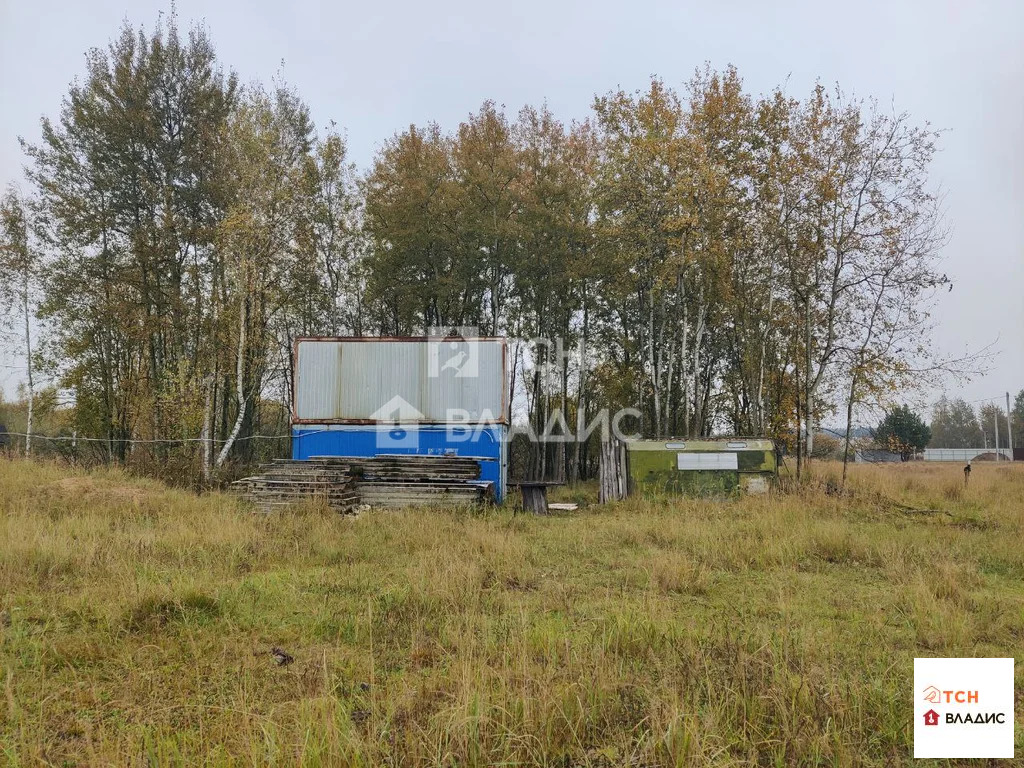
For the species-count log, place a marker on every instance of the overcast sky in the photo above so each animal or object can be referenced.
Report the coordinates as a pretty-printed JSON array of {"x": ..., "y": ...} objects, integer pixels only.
[{"x": 374, "y": 68}]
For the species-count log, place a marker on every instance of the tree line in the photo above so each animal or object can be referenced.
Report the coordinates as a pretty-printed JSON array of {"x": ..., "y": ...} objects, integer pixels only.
[
  {"x": 955, "y": 424},
  {"x": 724, "y": 262}
]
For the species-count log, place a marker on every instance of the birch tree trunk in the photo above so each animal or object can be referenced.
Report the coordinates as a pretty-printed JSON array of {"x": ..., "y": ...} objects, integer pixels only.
[
  {"x": 849, "y": 422},
  {"x": 207, "y": 436},
  {"x": 698, "y": 339},
  {"x": 799, "y": 422},
  {"x": 759, "y": 404},
  {"x": 28, "y": 358},
  {"x": 809, "y": 390},
  {"x": 240, "y": 387},
  {"x": 672, "y": 352},
  {"x": 512, "y": 383},
  {"x": 652, "y": 366},
  {"x": 684, "y": 374},
  {"x": 560, "y": 453},
  {"x": 574, "y": 471}
]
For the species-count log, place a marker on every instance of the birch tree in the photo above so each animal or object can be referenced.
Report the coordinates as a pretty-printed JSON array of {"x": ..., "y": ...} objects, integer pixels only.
[
  {"x": 18, "y": 289},
  {"x": 639, "y": 223}
]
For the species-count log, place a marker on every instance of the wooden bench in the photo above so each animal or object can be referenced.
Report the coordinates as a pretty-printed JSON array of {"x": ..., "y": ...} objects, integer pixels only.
[{"x": 535, "y": 494}]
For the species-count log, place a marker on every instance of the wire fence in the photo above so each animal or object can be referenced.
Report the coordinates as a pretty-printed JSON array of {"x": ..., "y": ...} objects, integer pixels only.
[
  {"x": 147, "y": 441},
  {"x": 179, "y": 461}
]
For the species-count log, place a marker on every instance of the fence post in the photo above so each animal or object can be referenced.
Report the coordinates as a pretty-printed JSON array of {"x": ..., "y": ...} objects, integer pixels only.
[{"x": 612, "y": 470}]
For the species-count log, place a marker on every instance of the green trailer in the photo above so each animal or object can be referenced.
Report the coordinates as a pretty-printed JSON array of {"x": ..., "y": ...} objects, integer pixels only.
[{"x": 706, "y": 467}]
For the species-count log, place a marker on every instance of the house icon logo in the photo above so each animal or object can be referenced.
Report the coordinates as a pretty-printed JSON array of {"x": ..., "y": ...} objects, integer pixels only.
[
  {"x": 396, "y": 426},
  {"x": 397, "y": 410},
  {"x": 932, "y": 695},
  {"x": 931, "y": 717}
]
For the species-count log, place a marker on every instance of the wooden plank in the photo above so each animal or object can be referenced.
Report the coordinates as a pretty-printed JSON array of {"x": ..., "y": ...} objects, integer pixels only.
[{"x": 394, "y": 480}]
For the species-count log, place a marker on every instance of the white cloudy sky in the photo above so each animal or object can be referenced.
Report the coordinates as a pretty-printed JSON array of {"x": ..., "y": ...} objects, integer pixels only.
[{"x": 374, "y": 68}]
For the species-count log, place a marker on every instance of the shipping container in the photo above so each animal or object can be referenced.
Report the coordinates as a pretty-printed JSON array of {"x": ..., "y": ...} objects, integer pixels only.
[
  {"x": 384, "y": 396},
  {"x": 705, "y": 467},
  {"x": 401, "y": 380}
]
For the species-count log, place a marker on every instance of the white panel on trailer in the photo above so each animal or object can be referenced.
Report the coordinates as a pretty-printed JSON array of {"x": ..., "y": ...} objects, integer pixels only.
[
  {"x": 466, "y": 381},
  {"x": 380, "y": 381},
  {"x": 415, "y": 380},
  {"x": 318, "y": 380},
  {"x": 686, "y": 461}
]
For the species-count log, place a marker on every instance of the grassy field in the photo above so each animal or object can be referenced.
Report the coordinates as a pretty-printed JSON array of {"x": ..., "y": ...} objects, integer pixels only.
[{"x": 136, "y": 624}]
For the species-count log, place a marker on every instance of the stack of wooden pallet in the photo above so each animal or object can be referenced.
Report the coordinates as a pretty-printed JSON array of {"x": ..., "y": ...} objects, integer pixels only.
[
  {"x": 405, "y": 480},
  {"x": 380, "y": 481},
  {"x": 284, "y": 483},
  {"x": 398, "y": 467}
]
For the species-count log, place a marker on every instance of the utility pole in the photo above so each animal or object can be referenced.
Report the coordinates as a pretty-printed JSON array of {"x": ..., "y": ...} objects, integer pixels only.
[
  {"x": 995, "y": 423},
  {"x": 1009, "y": 427}
]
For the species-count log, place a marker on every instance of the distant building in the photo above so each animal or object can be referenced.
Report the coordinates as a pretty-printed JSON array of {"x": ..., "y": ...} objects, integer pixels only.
[
  {"x": 364, "y": 397},
  {"x": 877, "y": 456},
  {"x": 966, "y": 454}
]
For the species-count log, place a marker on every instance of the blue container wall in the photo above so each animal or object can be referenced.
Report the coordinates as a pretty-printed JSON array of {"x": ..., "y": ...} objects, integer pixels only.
[{"x": 486, "y": 443}]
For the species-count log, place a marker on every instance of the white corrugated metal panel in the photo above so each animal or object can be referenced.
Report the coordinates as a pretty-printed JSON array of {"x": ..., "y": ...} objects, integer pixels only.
[
  {"x": 962, "y": 454},
  {"x": 318, "y": 385},
  {"x": 400, "y": 380},
  {"x": 707, "y": 461},
  {"x": 476, "y": 389}
]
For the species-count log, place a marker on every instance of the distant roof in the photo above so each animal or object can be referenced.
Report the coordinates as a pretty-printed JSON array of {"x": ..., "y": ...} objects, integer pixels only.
[
  {"x": 704, "y": 444},
  {"x": 877, "y": 455}
]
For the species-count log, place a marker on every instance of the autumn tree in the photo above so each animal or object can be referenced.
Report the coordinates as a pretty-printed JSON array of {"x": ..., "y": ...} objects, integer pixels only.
[
  {"x": 992, "y": 420},
  {"x": 955, "y": 425},
  {"x": 640, "y": 226},
  {"x": 720, "y": 327},
  {"x": 19, "y": 289},
  {"x": 551, "y": 297},
  {"x": 270, "y": 138},
  {"x": 322, "y": 278},
  {"x": 418, "y": 275},
  {"x": 1017, "y": 417},
  {"x": 486, "y": 172},
  {"x": 859, "y": 233},
  {"x": 723, "y": 262},
  {"x": 173, "y": 208},
  {"x": 129, "y": 197}
]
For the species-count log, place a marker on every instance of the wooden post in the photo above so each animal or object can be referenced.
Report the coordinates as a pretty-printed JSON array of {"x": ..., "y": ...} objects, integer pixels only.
[
  {"x": 621, "y": 470},
  {"x": 604, "y": 472},
  {"x": 612, "y": 485},
  {"x": 535, "y": 499}
]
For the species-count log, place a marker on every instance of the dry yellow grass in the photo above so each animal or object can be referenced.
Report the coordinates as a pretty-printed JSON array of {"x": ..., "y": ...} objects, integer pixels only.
[{"x": 137, "y": 624}]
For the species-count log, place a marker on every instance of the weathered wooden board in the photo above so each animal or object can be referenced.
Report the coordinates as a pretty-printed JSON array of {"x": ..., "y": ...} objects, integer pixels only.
[{"x": 387, "y": 481}]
